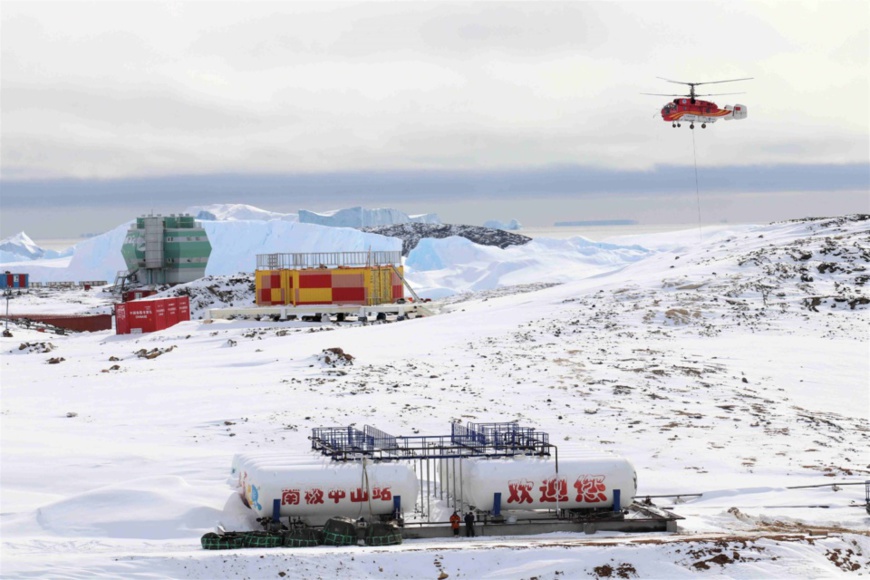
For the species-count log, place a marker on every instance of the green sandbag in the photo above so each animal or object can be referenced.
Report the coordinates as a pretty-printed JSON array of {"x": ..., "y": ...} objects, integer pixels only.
[
  {"x": 262, "y": 539},
  {"x": 332, "y": 539},
  {"x": 380, "y": 534},
  {"x": 229, "y": 541},
  {"x": 303, "y": 538},
  {"x": 339, "y": 532}
]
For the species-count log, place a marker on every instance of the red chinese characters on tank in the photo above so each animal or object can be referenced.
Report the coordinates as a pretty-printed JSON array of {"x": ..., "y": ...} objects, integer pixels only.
[
  {"x": 316, "y": 496},
  {"x": 382, "y": 493},
  {"x": 378, "y": 493},
  {"x": 554, "y": 490},
  {"x": 290, "y": 497},
  {"x": 590, "y": 489},
  {"x": 520, "y": 491}
]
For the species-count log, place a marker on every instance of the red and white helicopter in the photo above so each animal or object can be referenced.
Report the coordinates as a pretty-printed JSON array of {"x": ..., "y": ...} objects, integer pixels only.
[{"x": 693, "y": 110}]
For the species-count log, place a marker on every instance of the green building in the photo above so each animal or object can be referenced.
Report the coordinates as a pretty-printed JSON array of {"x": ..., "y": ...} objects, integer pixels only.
[{"x": 166, "y": 250}]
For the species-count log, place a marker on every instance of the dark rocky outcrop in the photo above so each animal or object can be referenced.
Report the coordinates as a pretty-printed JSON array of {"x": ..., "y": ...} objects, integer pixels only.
[{"x": 412, "y": 233}]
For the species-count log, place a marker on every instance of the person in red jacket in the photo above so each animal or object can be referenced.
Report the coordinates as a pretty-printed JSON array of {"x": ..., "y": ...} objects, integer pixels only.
[{"x": 454, "y": 522}]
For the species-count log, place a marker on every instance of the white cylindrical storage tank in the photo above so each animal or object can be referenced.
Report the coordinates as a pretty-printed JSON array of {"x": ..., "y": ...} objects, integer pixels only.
[
  {"x": 328, "y": 489},
  {"x": 244, "y": 461},
  {"x": 533, "y": 484}
]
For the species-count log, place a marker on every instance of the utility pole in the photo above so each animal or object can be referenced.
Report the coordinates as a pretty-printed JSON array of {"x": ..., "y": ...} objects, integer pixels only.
[{"x": 8, "y": 295}]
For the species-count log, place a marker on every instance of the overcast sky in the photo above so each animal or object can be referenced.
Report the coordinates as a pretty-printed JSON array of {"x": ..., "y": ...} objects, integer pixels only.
[{"x": 474, "y": 110}]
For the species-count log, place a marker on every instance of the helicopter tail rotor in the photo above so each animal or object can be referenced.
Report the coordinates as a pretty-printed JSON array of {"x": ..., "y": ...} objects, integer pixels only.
[{"x": 738, "y": 112}]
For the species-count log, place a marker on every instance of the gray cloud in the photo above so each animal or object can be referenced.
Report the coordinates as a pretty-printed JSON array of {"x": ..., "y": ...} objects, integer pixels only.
[
  {"x": 133, "y": 108},
  {"x": 349, "y": 93},
  {"x": 62, "y": 208},
  {"x": 375, "y": 186}
]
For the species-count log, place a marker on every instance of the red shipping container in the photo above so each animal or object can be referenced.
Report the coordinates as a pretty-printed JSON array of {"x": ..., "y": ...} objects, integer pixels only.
[
  {"x": 122, "y": 325},
  {"x": 140, "y": 317},
  {"x": 172, "y": 312},
  {"x": 150, "y": 315},
  {"x": 76, "y": 322},
  {"x": 183, "y": 308},
  {"x": 159, "y": 314}
]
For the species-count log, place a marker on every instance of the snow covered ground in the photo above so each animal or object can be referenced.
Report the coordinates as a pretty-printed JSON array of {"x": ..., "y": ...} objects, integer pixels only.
[{"x": 735, "y": 365}]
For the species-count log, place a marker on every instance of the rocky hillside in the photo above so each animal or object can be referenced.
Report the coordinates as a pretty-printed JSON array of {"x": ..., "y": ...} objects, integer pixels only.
[
  {"x": 412, "y": 233},
  {"x": 799, "y": 274},
  {"x": 215, "y": 292}
]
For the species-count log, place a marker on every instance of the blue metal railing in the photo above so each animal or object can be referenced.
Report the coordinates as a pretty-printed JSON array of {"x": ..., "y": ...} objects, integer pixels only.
[
  {"x": 340, "y": 439},
  {"x": 471, "y": 440},
  {"x": 380, "y": 439}
]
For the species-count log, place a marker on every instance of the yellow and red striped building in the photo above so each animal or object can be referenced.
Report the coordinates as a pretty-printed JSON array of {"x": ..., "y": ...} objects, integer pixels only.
[{"x": 364, "y": 278}]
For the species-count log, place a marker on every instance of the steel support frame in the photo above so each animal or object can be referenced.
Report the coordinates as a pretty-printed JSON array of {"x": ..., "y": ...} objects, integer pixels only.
[{"x": 482, "y": 440}]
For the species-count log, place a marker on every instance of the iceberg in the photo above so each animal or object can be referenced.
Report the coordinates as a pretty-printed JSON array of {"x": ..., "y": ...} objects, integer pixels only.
[
  {"x": 442, "y": 260},
  {"x": 237, "y": 211},
  {"x": 512, "y": 225},
  {"x": 20, "y": 248},
  {"x": 360, "y": 217},
  {"x": 353, "y": 217},
  {"x": 235, "y": 245}
]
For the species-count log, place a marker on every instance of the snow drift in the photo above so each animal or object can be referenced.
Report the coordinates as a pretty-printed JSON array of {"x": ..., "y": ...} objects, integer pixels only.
[{"x": 442, "y": 267}]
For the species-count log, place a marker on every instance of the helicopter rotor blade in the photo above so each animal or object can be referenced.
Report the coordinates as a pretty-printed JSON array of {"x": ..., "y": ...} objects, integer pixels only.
[
  {"x": 718, "y": 94},
  {"x": 677, "y": 82},
  {"x": 705, "y": 82},
  {"x": 728, "y": 81},
  {"x": 663, "y": 95}
]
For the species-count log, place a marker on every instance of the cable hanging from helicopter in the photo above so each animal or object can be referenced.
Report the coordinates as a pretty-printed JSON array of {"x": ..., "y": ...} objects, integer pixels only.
[{"x": 693, "y": 110}]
